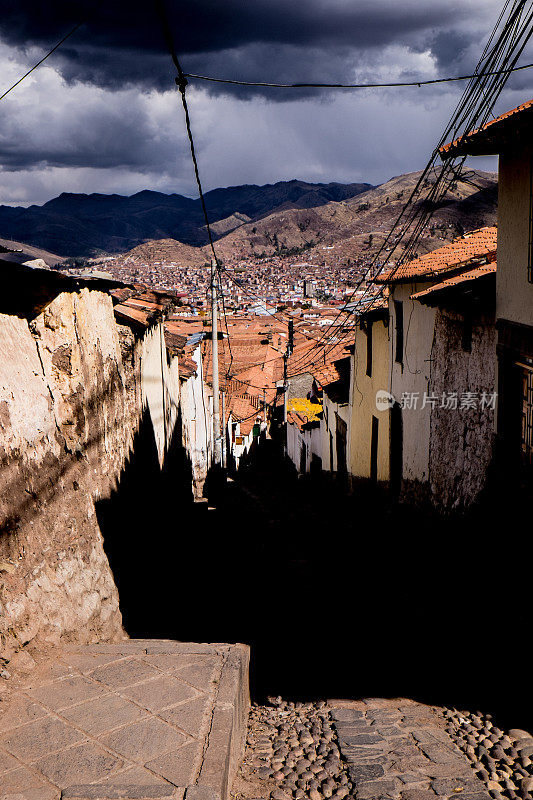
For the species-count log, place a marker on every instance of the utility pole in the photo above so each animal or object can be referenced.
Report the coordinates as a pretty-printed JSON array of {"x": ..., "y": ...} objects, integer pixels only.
[
  {"x": 264, "y": 406},
  {"x": 224, "y": 453},
  {"x": 285, "y": 386},
  {"x": 217, "y": 454},
  {"x": 290, "y": 341}
]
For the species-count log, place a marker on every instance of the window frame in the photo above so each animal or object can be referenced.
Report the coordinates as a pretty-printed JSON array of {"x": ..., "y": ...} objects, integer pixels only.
[
  {"x": 369, "y": 347},
  {"x": 399, "y": 331}
]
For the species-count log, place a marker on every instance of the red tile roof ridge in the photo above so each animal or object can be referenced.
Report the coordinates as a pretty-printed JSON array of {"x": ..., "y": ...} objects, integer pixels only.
[
  {"x": 463, "y": 277},
  {"x": 467, "y": 137},
  {"x": 479, "y": 243}
]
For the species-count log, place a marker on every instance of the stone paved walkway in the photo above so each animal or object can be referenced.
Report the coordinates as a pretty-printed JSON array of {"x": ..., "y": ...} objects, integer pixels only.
[
  {"x": 400, "y": 749},
  {"x": 140, "y": 719},
  {"x": 355, "y": 750}
]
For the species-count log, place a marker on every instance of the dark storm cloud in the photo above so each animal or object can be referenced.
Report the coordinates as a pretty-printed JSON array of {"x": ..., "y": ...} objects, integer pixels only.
[
  {"x": 97, "y": 116},
  {"x": 310, "y": 40}
]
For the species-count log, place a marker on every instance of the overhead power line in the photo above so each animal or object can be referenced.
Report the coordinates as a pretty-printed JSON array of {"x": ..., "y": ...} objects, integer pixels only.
[
  {"x": 182, "y": 83},
  {"x": 473, "y": 110},
  {"x": 391, "y": 85},
  {"x": 38, "y": 64}
]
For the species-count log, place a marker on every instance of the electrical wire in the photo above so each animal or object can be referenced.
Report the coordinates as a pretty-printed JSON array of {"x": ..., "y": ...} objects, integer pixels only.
[
  {"x": 474, "y": 108},
  {"x": 477, "y": 102},
  {"x": 222, "y": 296},
  {"x": 43, "y": 59},
  {"x": 182, "y": 83},
  {"x": 392, "y": 85}
]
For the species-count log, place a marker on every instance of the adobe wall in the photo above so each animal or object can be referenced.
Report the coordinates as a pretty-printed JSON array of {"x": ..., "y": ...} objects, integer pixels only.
[
  {"x": 72, "y": 386},
  {"x": 461, "y": 440},
  {"x": 363, "y": 391}
]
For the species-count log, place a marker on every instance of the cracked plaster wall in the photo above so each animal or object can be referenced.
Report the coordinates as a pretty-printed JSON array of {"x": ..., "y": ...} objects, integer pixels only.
[
  {"x": 70, "y": 401},
  {"x": 461, "y": 442}
]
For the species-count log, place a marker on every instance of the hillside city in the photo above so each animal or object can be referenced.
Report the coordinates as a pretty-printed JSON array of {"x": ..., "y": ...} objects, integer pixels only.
[{"x": 266, "y": 451}]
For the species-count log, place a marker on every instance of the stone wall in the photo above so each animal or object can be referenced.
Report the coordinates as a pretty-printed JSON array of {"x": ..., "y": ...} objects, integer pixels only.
[
  {"x": 71, "y": 398},
  {"x": 461, "y": 442}
]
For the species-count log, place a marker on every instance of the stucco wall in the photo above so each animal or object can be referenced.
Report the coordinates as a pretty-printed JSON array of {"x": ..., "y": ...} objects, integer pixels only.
[
  {"x": 462, "y": 438},
  {"x": 514, "y": 293},
  {"x": 312, "y": 440},
  {"x": 328, "y": 426},
  {"x": 196, "y": 426},
  {"x": 413, "y": 377},
  {"x": 363, "y": 389},
  {"x": 159, "y": 386},
  {"x": 64, "y": 432},
  {"x": 72, "y": 385}
]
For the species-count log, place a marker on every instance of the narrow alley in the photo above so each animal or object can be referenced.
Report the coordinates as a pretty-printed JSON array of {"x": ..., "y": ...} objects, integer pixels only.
[{"x": 332, "y": 602}]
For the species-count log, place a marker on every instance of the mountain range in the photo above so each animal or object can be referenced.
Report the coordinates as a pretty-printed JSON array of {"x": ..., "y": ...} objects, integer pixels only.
[
  {"x": 91, "y": 224},
  {"x": 328, "y": 223},
  {"x": 341, "y": 230}
]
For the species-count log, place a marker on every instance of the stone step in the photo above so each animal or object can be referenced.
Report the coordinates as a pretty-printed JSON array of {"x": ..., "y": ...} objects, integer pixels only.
[{"x": 137, "y": 720}]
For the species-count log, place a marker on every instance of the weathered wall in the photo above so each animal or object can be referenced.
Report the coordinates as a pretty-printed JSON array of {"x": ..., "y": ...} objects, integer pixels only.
[
  {"x": 462, "y": 438},
  {"x": 72, "y": 389},
  {"x": 195, "y": 424},
  {"x": 363, "y": 389},
  {"x": 296, "y": 438},
  {"x": 159, "y": 386},
  {"x": 328, "y": 426},
  {"x": 514, "y": 293},
  {"x": 300, "y": 385},
  {"x": 413, "y": 378}
]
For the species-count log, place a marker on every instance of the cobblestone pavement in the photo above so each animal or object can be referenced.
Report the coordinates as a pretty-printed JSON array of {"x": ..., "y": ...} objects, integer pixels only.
[
  {"x": 365, "y": 750},
  {"x": 138, "y": 719},
  {"x": 501, "y": 759}
]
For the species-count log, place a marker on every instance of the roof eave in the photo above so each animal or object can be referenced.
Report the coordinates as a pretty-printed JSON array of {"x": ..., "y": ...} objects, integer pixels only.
[{"x": 462, "y": 291}]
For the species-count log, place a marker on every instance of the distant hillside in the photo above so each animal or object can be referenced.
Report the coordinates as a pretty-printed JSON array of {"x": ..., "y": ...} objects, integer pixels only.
[
  {"x": 10, "y": 248},
  {"x": 85, "y": 225},
  {"x": 357, "y": 226},
  {"x": 346, "y": 229}
]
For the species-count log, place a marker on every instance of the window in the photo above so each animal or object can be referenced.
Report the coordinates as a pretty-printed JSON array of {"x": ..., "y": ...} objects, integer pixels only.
[
  {"x": 341, "y": 438},
  {"x": 369, "y": 327},
  {"x": 398, "y": 315}
]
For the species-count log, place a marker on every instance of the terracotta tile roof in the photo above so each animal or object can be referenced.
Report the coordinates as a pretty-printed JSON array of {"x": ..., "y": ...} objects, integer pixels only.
[
  {"x": 132, "y": 316},
  {"x": 140, "y": 306},
  {"x": 456, "y": 280},
  {"x": 302, "y": 412},
  {"x": 487, "y": 132},
  {"x": 246, "y": 356},
  {"x": 175, "y": 342},
  {"x": 177, "y": 345},
  {"x": 326, "y": 375},
  {"x": 244, "y": 412},
  {"x": 187, "y": 367},
  {"x": 338, "y": 390},
  {"x": 461, "y": 252}
]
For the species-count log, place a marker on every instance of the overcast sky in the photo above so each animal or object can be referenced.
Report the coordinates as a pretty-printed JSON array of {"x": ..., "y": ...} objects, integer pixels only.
[{"x": 103, "y": 114}]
